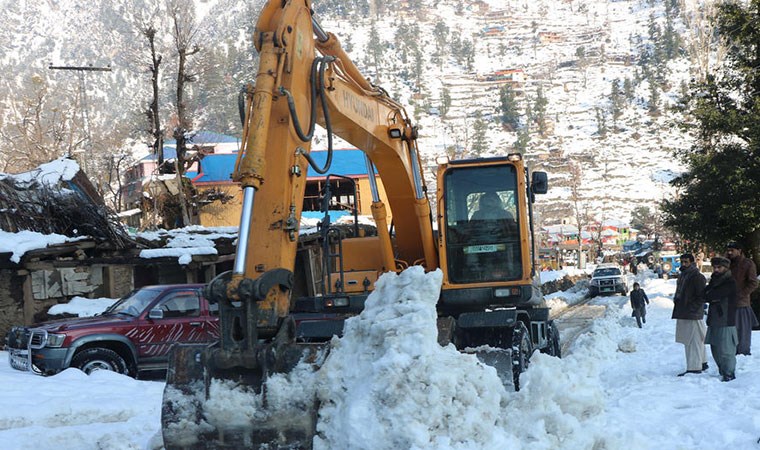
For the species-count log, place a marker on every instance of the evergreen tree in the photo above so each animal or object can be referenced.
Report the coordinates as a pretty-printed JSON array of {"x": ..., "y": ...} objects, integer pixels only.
[
  {"x": 718, "y": 200},
  {"x": 467, "y": 54},
  {"x": 479, "y": 141},
  {"x": 582, "y": 62},
  {"x": 540, "y": 111},
  {"x": 529, "y": 116},
  {"x": 523, "y": 139},
  {"x": 445, "y": 102},
  {"x": 628, "y": 91},
  {"x": 510, "y": 116},
  {"x": 375, "y": 50},
  {"x": 672, "y": 44},
  {"x": 656, "y": 52},
  {"x": 617, "y": 103},
  {"x": 441, "y": 36},
  {"x": 601, "y": 122},
  {"x": 654, "y": 99}
]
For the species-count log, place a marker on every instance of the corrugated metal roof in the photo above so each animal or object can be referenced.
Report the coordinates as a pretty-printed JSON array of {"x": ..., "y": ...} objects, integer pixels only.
[
  {"x": 214, "y": 168},
  {"x": 207, "y": 137},
  {"x": 348, "y": 162},
  {"x": 217, "y": 168}
]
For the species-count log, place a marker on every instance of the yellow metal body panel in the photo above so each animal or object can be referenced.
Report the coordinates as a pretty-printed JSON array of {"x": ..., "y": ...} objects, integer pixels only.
[{"x": 362, "y": 253}]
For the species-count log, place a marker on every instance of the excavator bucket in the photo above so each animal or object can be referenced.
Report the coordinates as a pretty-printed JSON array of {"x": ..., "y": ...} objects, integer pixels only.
[
  {"x": 504, "y": 345},
  {"x": 501, "y": 360},
  {"x": 209, "y": 404}
]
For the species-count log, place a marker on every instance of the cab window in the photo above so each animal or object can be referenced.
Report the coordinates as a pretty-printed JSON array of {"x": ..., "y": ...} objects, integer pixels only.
[
  {"x": 181, "y": 304},
  {"x": 482, "y": 234}
]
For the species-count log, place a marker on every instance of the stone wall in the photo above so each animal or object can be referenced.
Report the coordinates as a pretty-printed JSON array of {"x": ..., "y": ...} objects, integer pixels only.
[{"x": 11, "y": 302}]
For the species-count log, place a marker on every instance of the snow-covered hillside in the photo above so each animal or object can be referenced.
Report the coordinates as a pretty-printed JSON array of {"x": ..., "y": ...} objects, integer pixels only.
[
  {"x": 570, "y": 50},
  {"x": 626, "y": 168}
]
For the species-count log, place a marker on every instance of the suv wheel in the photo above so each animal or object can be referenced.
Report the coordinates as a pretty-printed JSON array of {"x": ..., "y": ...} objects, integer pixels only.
[{"x": 92, "y": 359}]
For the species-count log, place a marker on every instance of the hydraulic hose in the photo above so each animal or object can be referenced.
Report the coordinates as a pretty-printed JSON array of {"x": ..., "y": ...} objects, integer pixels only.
[
  {"x": 292, "y": 105},
  {"x": 322, "y": 62},
  {"x": 241, "y": 104}
]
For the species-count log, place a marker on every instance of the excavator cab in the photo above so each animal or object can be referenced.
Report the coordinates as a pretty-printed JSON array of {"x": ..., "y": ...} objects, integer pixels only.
[
  {"x": 490, "y": 300},
  {"x": 481, "y": 234}
]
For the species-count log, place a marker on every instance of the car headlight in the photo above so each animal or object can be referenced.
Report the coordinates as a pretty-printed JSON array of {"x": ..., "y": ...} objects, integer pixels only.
[{"x": 55, "y": 340}]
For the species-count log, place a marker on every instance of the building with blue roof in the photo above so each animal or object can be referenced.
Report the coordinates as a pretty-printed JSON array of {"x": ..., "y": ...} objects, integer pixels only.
[
  {"x": 214, "y": 172},
  {"x": 217, "y": 155}
]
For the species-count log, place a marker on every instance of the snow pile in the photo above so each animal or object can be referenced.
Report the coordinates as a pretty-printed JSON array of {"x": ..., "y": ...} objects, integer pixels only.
[
  {"x": 74, "y": 411},
  {"x": 82, "y": 307},
  {"x": 595, "y": 397},
  {"x": 387, "y": 384}
]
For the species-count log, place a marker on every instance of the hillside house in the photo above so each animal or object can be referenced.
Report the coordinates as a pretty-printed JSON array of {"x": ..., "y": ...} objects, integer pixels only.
[
  {"x": 58, "y": 241},
  {"x": 139, "y": 177},
  {"x": 550, "y": 37},
  {"x": 514, "y": 77},
  {"x": 613, "y": 232},
  {"x": 493, "y": 31}
]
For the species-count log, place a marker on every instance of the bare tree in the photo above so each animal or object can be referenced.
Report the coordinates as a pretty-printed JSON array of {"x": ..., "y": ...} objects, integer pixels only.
[
  {"x": 580, "y": 206},
  {"x": 701, "y": 42},
  {"x": 153, "y": 113},
  {"x": 185, "y": 33},
  {"x": 115, "y": 165},
  {"x": 42, "y": 125}
]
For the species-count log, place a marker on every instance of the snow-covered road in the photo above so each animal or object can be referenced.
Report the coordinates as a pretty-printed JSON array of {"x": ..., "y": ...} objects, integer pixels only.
[{"x": 615, "y": 388}]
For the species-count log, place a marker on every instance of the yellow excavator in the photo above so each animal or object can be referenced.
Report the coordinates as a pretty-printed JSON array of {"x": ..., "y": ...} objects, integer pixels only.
[{"x": 285, "y": 298}]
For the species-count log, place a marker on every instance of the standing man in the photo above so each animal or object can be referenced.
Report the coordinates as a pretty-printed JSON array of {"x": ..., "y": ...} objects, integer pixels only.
[
  {"x": 720, "y": 293},
  {"x": 745, "y": 274},
  {"x": 688, "y": 310}
]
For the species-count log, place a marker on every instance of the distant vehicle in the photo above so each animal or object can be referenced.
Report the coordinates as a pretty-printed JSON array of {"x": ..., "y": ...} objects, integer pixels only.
[
  {"x": 669, "y": 266},
  {"x": 132, "y": 335},
  {"x": 607, "y": 279}
]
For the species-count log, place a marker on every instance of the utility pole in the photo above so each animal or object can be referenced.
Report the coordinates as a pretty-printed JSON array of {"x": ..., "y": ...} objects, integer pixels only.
[{"x": 81, "y": 70}]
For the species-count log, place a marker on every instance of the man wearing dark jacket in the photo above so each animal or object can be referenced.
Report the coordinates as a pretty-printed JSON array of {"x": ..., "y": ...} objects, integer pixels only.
[
  {"x": 720, "y": 293},
  {"x": 688, "y": 310},
  {"x": 745, "y": 274},
  {"x": 639, "y": 300}
]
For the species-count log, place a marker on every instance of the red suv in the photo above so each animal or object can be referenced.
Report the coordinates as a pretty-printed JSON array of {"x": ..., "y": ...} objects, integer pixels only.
[{"x": 132, "y": 335}]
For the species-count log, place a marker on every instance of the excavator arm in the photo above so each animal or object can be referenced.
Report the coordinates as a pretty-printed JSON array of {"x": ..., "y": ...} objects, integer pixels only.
[{"x": 305, "y": 77}]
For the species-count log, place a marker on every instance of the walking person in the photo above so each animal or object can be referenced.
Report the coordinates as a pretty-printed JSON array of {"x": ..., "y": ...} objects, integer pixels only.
[
  {"x": 720, "y": 293},
  {"x": 634, "y": 268},
  {"x": 745, "y": 274},
  {"x": 639, "y": 300},
  {"x": 688, "y": 310}
]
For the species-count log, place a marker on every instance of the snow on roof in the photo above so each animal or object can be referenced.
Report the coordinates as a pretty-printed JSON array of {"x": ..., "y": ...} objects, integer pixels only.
[
  {"x": 49, "y": 174},
  {"x": 183, "y": 243},
  {"x": 19, "y": 243}
]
